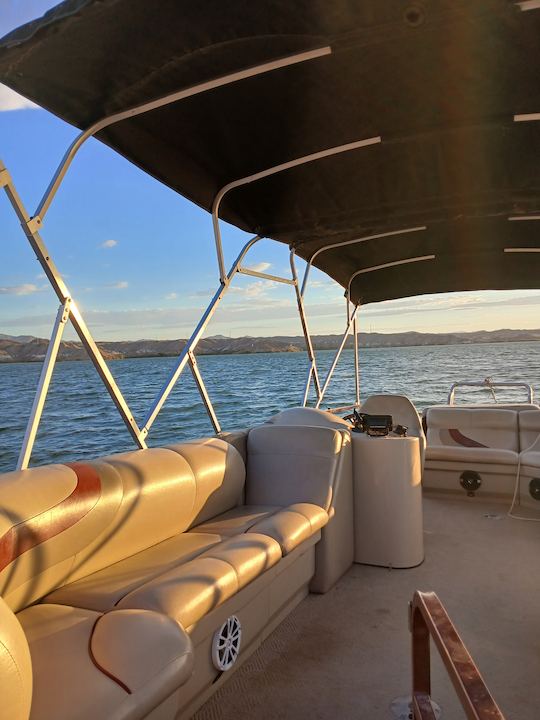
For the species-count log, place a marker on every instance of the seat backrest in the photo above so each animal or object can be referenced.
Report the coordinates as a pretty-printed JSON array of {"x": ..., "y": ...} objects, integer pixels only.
[
  {"x": 61, "y": 523},
  {"x": 402, "y": 411},
  {"x": 220, "y": 476},
  {"x": 158, "y": 496},
  {"x": 47, "y": 515},
  {"x": 293, "y": 464},
  {"x": 308, "y": 417},
  {"x": 15, "y": 668},
  {"x": 477, "y": 427},
  {"x": 529, "y": 428}
]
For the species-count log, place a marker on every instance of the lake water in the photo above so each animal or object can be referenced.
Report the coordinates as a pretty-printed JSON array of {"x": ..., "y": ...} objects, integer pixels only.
[{"x": 80, "y": 420}]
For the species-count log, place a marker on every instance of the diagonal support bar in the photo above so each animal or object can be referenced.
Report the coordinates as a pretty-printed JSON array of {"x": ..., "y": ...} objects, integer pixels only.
[
  {"x": 43, "y": 386},
  {"x": 203, "y": 391},
  {"x": 356, "y": 362},
  {"x": 31, "y": 229},
  {"x": 194, "y": 339},
  {"x": 313, "y": 373},
  {"x": 337, "y": 356}
]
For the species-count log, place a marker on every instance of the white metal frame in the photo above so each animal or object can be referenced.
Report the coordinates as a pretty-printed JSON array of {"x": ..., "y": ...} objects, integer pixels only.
[
  {"x": 490, "y": 385},
  {"x": 68, "y": 309},
  {"x": 333, "y": 246},
  {"x": 32, "y": 224}
]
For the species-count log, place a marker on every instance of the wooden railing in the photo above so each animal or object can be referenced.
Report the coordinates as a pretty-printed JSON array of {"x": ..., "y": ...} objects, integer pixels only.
[{"x": 428, "y": 618}]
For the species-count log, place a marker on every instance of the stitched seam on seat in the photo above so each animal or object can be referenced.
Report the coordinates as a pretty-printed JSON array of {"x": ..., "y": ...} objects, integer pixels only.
[
  {"x": 233, "y": 569},
  {"x": 299, "y": 512},
  {"x": 98, "y": 665},
  {"x": 266, "y": 517},
  {"x": 177, "y": 564},
  {"x": 15, "y": 665}
]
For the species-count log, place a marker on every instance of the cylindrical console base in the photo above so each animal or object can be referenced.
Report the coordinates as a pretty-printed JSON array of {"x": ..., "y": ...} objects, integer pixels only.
[{"x": 387, "y": 501}]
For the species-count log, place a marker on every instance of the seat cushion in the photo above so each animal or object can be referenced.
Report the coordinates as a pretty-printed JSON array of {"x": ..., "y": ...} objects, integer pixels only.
[
  {"x": 530, "y": 463},
  {"x": 237, "y": 520},
  {"x": 117, "y": 666},
  {"x": 249, "y": 554},
  {"x": 529, "y": 428},
  {"x": 190, "y": 591},
  {"x": 473, "y": 428},
  {"x": 471, "y": 455},
  {"x": 104, "y": 589},
  {"x": 291, "y": 526},
  {"x": 187, "y": 592}
]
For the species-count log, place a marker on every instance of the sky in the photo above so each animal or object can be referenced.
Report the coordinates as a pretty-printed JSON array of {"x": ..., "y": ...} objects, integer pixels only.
[{"x": 140, "y": 260}]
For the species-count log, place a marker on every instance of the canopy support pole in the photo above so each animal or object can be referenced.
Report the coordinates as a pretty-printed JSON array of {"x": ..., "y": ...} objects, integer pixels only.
[
  {"x": 337, "y": 150},
  {"x": 187, "y": 354},
  {"x": 31, "y": 227},
  {"x": 313, "y": 372},
  {"x": 337, "y": 356},
  {"x": 333, "y": 246},
  {"x": 356, "y": 362},
  {"x": 43, "y": 386},
  {"x": 192, "y": 343},
  {"x": 328, "y": 152},
  {"x": 161, "y": 102}
]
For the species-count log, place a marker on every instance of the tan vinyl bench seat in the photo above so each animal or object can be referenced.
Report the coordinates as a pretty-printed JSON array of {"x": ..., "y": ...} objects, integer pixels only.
[
  {"x": 103, "y": 590},
  {"x": 472, "y": 444},
  {"x": 113, "y": 573},
  {"x": 87, "y": 665},
  {"x": 190, "y": 591}
]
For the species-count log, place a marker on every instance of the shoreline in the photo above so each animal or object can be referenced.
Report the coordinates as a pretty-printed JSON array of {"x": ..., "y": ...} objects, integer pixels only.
[{"x": 263, "y": 351}]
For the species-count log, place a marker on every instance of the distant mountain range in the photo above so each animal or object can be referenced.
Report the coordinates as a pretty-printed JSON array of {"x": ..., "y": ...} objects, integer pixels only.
[{"x": 26, "y": 348}]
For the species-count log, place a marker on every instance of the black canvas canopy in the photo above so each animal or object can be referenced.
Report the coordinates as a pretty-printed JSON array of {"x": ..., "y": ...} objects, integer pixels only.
[{"x": 440, "y": 81}]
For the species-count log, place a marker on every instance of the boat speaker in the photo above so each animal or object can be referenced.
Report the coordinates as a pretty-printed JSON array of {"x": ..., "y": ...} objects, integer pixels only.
[
  {"x": 470, "y": 481},
  {"x": 534, "y": 488},
  {"x": 226, "y": 644}
]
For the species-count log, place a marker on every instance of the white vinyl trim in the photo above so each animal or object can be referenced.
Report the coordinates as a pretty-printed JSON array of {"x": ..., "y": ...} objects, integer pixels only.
[
  {"x": 524, "y": 217},
  {"x": 527, "y": 117},
  {"x": 529, "y": 5}
]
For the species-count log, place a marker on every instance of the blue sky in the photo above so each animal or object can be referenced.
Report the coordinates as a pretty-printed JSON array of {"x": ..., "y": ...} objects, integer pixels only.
[{"x": 140, "y": 260}]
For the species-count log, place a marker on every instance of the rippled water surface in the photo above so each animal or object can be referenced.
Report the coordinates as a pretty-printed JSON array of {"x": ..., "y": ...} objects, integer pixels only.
[{"x": 80, "y": 420}]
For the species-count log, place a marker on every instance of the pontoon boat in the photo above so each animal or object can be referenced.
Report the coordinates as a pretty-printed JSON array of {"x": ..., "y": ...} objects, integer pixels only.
[{"x": 268, "y": 573}]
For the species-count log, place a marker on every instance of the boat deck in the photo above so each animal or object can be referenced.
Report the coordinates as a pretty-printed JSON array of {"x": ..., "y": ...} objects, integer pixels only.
[{"x": 346, "y": 654}]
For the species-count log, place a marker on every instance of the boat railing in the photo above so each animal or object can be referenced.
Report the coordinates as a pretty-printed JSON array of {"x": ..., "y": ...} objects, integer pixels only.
[
  {"x": 429, "y": 619},
  {"x": 490, "y": 385}
]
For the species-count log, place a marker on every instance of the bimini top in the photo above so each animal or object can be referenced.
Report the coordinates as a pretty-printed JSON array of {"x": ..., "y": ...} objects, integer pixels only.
[{"x": 443, "y": 95}]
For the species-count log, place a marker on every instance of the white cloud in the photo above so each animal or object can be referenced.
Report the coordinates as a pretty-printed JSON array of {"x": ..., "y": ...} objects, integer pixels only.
[
  {"x": 171, "y": 296},
  {"x": 258, "y": 289},
  {"x": 260, "y": 267},
  {"x": 109, "y": 244},
  {"x": 120, "y": 285},
  {"x": 10, "y": 100},
  {"x": 25, "y": 289}
]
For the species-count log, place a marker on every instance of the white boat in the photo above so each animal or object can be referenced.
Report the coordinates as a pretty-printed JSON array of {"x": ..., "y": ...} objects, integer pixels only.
[{"x": 269, "y": 572}]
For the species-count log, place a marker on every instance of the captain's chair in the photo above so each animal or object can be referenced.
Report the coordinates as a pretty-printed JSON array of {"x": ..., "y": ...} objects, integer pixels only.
[{"x": 402, "y": 411}]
